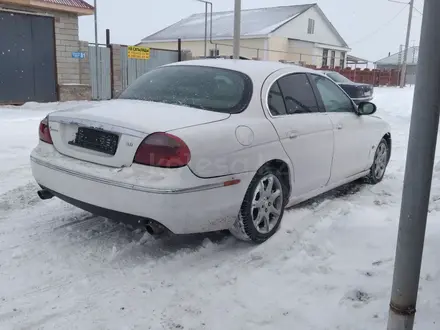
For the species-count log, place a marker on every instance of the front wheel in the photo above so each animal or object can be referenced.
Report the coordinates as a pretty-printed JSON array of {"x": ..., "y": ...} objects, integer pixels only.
[
  {"x": 262, "y": 208},
  {"x": 381, "y": 158}
]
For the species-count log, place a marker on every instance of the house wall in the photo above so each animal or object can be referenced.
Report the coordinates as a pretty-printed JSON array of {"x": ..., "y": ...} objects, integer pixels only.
[
  {"x": 255, "y": 47},
  {"x": 338, "y": 55},
  {"x": 301, "y": 51},
  {"x": 277, "y": 49},
  {"x": 308, "y": 48},
  {"x": 297, "y": 29},
  {"x": 73, "y": 74}
]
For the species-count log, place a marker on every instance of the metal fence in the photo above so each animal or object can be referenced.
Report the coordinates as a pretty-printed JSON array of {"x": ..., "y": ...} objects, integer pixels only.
[
  {"x": 103, "y": 90},
  {"x": 134, "y": 68}
]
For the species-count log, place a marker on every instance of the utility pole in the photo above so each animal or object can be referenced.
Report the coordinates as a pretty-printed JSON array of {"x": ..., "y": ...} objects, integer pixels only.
[
  {"x": 405, "y": 51},
  {"x": 96, "y": 52},
  {"x": 206, "y": 23},
  {"x": 206, "y": 29},
  {"x": 418, "y": 174},
  {"x": 237, "y": 24}
]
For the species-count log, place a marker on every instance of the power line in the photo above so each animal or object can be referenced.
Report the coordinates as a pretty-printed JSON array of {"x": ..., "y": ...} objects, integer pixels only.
[
  {"x": 420, "y": 12},
  {"x": 380, "y": 28}
]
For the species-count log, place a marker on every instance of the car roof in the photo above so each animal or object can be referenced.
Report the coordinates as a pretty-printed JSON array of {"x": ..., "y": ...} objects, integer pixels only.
[{"x": 254, "y": 69}]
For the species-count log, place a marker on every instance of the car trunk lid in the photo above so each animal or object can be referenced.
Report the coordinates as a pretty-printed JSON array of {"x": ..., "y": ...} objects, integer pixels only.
[
  {"x": 357, "y": 90},
  {"x": 109, "y": 132}
]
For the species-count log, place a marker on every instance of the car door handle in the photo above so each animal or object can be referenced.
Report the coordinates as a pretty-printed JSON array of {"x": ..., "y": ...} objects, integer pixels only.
[
  {"x": 293, "y": 134},
  {"x": 339, "y": 126}
]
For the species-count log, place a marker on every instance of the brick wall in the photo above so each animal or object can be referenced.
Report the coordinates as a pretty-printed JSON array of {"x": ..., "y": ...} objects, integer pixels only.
[
  {"x": 71, "y": 71},
  {"x": 66, "y": 40},
  {"x": 84, "y": 64}
]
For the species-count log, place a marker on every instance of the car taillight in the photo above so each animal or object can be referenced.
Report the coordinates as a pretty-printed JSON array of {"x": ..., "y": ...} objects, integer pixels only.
[
  {"x": 163, "y": 150},
  {"x": 44, "y": 132}
]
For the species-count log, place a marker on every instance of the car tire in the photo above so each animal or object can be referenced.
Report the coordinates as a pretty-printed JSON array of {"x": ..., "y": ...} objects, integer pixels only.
[
  {"x": 380, "y": 162},
  {"x": 263, "y": 207}
]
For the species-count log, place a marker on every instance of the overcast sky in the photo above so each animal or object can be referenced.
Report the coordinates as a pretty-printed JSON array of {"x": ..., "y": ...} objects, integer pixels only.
[{"x": 372, "y": 28}]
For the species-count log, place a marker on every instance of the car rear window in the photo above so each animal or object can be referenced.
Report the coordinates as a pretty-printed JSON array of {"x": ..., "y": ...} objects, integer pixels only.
[
  {"x": 338, "y": 78},
  {"x": 202, "y": 87}
]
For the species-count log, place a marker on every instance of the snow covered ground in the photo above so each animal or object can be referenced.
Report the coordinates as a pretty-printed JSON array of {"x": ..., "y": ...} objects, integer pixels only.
[{"x": 329, "y": 267}]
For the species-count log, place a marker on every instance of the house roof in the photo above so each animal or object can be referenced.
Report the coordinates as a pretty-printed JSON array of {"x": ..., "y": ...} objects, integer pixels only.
[
  {"x": 78, "y": 7},
  {"x": 355, "y": 60},
  {"x": 70, "y": 3},
  {"x": 397, "y": 58},
  {"x": 254, "y": 23}
]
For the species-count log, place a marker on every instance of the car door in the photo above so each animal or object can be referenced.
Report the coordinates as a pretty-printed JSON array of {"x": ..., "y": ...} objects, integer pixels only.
[
  {"x": 352, "y": 137},
  {"x": 304, "y": 131}
]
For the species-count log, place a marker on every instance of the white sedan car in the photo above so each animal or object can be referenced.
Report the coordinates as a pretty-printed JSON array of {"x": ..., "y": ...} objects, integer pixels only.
[{"x": 209, "y": 145}]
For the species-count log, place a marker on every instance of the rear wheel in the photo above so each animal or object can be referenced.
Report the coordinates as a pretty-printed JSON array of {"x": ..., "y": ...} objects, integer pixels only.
[
  {"x": 262, "y": 208},
  {"x": 381, "y": 158}
]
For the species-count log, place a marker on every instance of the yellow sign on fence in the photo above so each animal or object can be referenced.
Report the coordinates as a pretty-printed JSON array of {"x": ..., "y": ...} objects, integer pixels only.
[{"x": 138, "y": 53}]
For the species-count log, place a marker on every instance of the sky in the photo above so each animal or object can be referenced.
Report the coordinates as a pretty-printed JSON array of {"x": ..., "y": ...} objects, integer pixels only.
[{"x": 372, "y": 28}]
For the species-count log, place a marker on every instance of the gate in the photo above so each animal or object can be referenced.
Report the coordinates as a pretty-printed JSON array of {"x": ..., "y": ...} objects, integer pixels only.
[
  {"x": 103, "y": 90},
  {"x": 134, "y": 68},
  {"x": 27, "y": 58}
]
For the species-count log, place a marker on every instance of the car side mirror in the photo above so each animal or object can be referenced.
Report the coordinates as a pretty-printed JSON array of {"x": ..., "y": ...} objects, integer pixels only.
[{"x": 366, "y": 108}]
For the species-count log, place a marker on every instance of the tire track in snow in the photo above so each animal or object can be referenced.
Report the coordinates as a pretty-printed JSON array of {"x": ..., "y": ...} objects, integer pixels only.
[
  {"x": 19, "y": 198},
  {"x": 85, "y": 236}
]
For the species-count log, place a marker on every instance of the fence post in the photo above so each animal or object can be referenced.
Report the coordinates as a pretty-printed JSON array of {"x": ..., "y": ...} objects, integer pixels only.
[
  {"x": 179, "y": 50},
  {"x": 107, "y": 37},
  {"x": 109, "y": 46}
]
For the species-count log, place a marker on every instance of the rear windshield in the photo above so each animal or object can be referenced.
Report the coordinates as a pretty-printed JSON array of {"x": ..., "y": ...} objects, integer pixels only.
[{"x": 201, "y": 87}]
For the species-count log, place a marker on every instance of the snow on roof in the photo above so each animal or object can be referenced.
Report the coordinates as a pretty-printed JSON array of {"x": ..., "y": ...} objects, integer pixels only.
[
  {"x": 397, "y": 58},
  {"x": 70, "y": 3},
  {"x": 254, "y": 22},
  {"x": 251, "y": 68}
]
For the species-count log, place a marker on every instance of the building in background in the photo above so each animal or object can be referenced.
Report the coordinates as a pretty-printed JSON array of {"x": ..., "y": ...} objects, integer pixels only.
[
  {"x": 394, "y": 61},
  {"x": 299, "y": 34},
  {"x": 41, "y": 57},
  {"x": 355, "y": 62}
]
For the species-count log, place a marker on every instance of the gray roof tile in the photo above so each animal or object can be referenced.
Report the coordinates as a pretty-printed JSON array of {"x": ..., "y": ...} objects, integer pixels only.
[
  {"x": 397, "y": 58},
  {"x": 254, "y": 22}
]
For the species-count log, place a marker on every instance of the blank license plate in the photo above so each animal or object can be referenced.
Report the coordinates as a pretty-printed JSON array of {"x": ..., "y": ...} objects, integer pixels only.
[{"x": 95, "y": 139}]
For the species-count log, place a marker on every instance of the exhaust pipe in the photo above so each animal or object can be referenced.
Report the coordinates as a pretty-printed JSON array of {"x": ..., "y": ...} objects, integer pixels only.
[
  {"x": 44, "y": 194},
  {"x": 154, "y": 229}
]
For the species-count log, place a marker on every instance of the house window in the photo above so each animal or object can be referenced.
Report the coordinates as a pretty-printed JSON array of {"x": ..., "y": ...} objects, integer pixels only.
[
  {"x": 214, "y": 53},
  {"x": 311, "y": 26},
  {"x": 324, "y": 57},
  {"x": 332, "y": 59},
  {"x": 342, "y": 60}
]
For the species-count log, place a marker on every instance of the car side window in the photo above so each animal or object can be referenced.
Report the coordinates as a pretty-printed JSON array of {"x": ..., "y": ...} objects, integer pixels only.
[
  {"x": 275, "y": 101},
  {"x": 298, "y": 94},
  {"x": 332, "y": 96}
]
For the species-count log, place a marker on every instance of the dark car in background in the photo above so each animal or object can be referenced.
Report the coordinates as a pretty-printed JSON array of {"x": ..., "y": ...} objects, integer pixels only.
[{"x": 357, "y": 91}]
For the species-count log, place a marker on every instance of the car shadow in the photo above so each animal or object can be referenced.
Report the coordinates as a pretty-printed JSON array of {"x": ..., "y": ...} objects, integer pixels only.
[
  {"x": 337, "y": 193},
  {"x": 87, "y": 232},
  {"x": 122, "y": 242}
]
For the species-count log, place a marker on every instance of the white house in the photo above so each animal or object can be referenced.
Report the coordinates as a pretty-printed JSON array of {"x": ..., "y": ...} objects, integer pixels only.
[{"x": 299, "y": 33}]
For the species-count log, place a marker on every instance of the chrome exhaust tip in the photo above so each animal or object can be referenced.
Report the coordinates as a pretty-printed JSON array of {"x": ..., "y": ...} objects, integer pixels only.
[{"x": 44, "y": 194}]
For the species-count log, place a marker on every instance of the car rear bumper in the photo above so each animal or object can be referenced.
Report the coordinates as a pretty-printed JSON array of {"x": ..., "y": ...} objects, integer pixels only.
[{"x": 175, "y": 198}]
